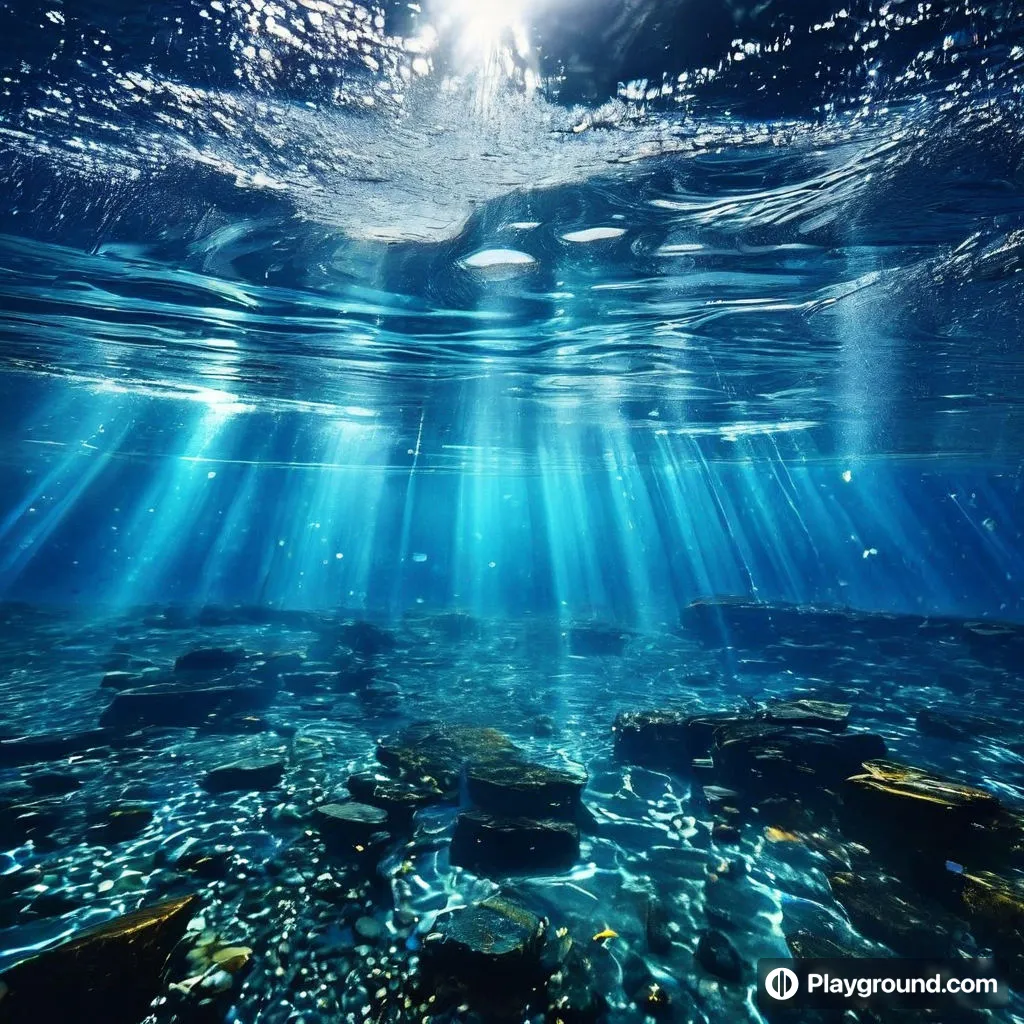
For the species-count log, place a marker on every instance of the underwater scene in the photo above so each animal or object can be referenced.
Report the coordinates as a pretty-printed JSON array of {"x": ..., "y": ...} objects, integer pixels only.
[{"x": 510, "y": 510}]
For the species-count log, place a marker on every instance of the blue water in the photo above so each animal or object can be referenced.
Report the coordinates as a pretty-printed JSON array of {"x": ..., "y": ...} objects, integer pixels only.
[{"x": 526, "y": 332}]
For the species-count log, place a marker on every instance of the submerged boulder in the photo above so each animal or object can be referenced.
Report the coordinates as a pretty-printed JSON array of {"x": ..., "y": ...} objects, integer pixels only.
[
  {"x": 30, "y": 749},
  {"x": 436, "y": 751},
  {"x": 665, "y": 738},
  {"x": 210, "y": 660},
  {"x": 514, "y": 787},
  {"x": 109, "y": 973},
  {"x": 249, "y": 774},
  {"x": 760, "y": 758},
  {"x": 398, "y": 798},
  {"x": 491, "y": 950},
  {"x": 492, "y": 845},
  {"x": 914, "y": 810},
  {"x": 883, "y": 909},
  {"x": 180, "y": 705},
  {"x": 349, "y": 825},
  {"x": 812, "y": 714}
]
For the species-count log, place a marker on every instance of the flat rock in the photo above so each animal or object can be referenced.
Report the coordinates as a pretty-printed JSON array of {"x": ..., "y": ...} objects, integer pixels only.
[
  {"x": 437, "y": 751},
  {"x": 950, "y": 725},
  {"x": 762, "y": 759},
  {"x": 121, "y": 822},
  {"x": 120, "y": 680},
  {"x": 111, "y": 973},
  {"x": 180, "y": 705},
  {"x": 514, "y": 787},
  {"x": 911, "y": 809},
  {"x": 398, "y": 798},
  {"x": 493, "y": 943},
  {"x": 210, "y": 660},
  {"x": 249, "y": 774},
  {"x": 492, "y": 845},
  {"x": 812, "y": 714},
  {"x": 350, "y": 824},
  {"x": 51, "y": 746}
]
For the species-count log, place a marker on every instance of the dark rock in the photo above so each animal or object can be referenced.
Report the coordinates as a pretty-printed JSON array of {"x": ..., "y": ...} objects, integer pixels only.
[
  {"x": 351, "y": 825},
  {"x": 492, "y": 948},
  {"x": 51, "y": 747},
  {"x": 597, "y": 639},
  {"x": 122, "y": 680},
  {"x": 210, "y": 661},
  {"x": 209, "y": 864},
  {"x": 180, "y": 705},
  {"x": 400, "y": 799},
  {"x": 122, "y": 821},
  {"x": 718, "y": 956},
  {"x": 905, "y": 808},
  {"x": 514, "y": 787},
  {"x": 574, "y": 995},
  {"x": 366, "y": 638},
  {"x": 14, "y": 793},
  {"x": 249, "y": 774},
  {"x": 53, "y": 783},
  {"x": 656, "y": 927},
  {"x": 995, "y": 908},
  {"x": 645, "y": 991},
  {"x": 273, "y": 666},
  {"x": 543, "y": 726},
  {"x": 760, "y": 758},
  {"x": 52, "y": 903},
  {"x": 488, "y": 844},
  {"x": 806, "y": 944},
  {"x": 950, "y": 725},
  {"x": 812, "y": 714},
  {"x": 19, "y": 822},
  {"x": 723, "y": 832},
  {"x": 90, "y": 969},
  {"x": 881, "y": 908},
  {"x": 437, "y": 751},
  {"x": 666, "y": 739}
]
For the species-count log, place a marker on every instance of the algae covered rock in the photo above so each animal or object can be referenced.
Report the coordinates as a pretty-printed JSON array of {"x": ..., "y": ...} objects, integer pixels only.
[
  {"x": 351, "y": 825},
  {"x": 437, "y": 751},
  {"x": 492, "y": 948},
  {"x": 110, "y": 973},
  {"x": 515, "y": 787}
]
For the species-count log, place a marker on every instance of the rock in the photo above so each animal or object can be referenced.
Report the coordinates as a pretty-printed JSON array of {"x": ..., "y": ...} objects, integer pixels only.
[
  {"x": 51, "y": 747},
  {"x": 92, "y": 969},
  {"x": 250, "y": 774},
  {"x": 995, "y": 908},
  {"x": 209, "y": 864},
  {"x": 209, "y": 661},
  {"x": 350, "y": 825},
  {"x": 514, "y": 787},
  {"x": 53, "y": 783},
  {"x": 812, "y": 714},
  {"x": 762, "y": 759},
  {"x": 122, "y": 680},
  {"x": 366, "y": 638},
  {"x": 597, "y": 638},
  {"x": 400, "y": 799},
  {"x": 369, "y": 929},
  {"x": 33, "y": 820},
  {"x": 122, "y": 821},
  {"x": 273, "y": 666},
  {"x": 909, "y": 809},
  {"x": 492, "y": 948},
  {"x": 436, "y": 751},
  {"x": 573, "y": 990},
  {"x": 881, "y": 908},
  {"x": 666, "y": 739},
  {"x": 656, "y": 927},
  {"x": 491, "y": 845},
  {"x": 718, "y": 956},
  {"x": 180, "y": 705},
  {"x": 543, "y": 726},
  {"x": 723, "y": 832},
  {"x": 806, "y": 944},
  {"x": 948, "y": 725},
  {"x": 17, "y": 792}
]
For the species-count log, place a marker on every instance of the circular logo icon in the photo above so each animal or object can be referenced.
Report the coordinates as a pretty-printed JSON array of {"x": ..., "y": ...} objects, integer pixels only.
[{"x": 782, "y": 983}]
